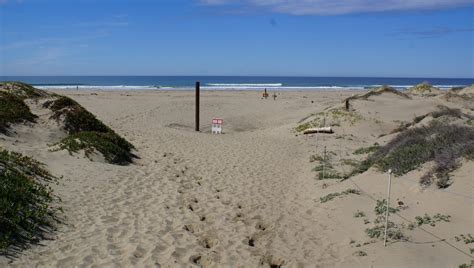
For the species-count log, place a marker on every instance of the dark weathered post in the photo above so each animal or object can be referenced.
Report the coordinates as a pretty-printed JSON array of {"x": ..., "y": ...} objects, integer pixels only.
[{"x": 198, "y": 88}]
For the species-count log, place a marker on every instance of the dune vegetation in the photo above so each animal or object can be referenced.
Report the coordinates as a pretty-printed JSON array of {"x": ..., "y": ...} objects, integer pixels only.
[
  {"x": 88, "y": 133},
  {"x": 28, "y": 207},
  {"x": 13, "y": 110},
  {"x": 439, "y": 142}
]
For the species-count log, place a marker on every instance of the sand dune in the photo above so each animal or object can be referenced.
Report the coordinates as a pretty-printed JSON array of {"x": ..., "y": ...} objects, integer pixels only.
[{"x": 247, "y": 198}]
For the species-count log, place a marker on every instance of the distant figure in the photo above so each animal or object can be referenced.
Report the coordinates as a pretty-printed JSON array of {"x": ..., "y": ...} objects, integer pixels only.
[
  {"x": 274, "y": 96},
  {"x": 265, "y": 94},
  {"x": 77, "y": 87}
]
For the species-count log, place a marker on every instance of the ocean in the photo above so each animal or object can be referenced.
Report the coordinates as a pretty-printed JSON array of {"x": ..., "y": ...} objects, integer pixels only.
[{"x": 228, "y": 82}]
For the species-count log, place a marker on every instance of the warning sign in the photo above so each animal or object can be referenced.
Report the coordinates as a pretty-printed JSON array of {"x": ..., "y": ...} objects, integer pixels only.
[{"x": 217, "y": 126}]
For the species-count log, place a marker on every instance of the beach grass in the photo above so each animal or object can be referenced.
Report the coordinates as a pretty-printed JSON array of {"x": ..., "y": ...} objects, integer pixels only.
[
  {"x": 440, "y": 142},
  {"x": 88, "y": 133},
  {"x": 21, "y": 90},
  {"x": 27, "y": 204},
  {"x": 13, "y": 110}
]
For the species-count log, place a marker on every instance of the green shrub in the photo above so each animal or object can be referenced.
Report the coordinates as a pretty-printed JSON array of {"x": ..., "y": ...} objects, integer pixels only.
[
  {"x": 21, "y": 90},
  {"x": 367, "y": 150},
  {"x": 13, "y": 110},
  {"x": 26, "y": 200},
  {"x": 114, "y": 148},
  {"x": 439, "y": 142},
  {"x": 88, "y": 133},
  {"x": 381, "y": 208},
  {"x": 331, "y": 196},
  {"x": 426, "y": 219},
  {"x": 76, "y": 118},
  {"x": 393, "y": 232}
]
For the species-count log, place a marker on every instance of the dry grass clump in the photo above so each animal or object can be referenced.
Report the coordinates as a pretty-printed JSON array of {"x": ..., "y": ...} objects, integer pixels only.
[
  {"x": 378, "y": 91},
  {"x": 331, "y": 196},
  {"x": 27, "y": 203},
  {"x": 442, "y": 111},
  {"x": 424, "y": 88},
  {"x": 439, "y": 142},
  {"x": 13, "y": 110},
  {"x": 332, "y": 117},
  {"x": 88, "y": 133}
]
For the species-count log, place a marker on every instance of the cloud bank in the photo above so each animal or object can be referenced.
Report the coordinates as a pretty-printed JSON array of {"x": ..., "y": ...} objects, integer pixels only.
[{"x": 338, "y": 7}]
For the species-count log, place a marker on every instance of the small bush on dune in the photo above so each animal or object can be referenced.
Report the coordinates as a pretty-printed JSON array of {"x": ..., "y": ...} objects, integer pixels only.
[
  {"x": 26, "y": 200},
  {"x": 109, "y": 145},
  {"x": 21, "y": 90},
  {"x": 13, "y": 110},
  {"x": 378, "y": 91},
  {"x": 439, "y": 142},
  {"x": 76, "y": 118},
  {"x": 88, "y": 133}
]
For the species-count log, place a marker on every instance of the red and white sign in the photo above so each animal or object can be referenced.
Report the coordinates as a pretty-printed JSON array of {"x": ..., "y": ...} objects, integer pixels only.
[
  {"x": 217, "y": 125},
  {"x": 217, "y": 121}
]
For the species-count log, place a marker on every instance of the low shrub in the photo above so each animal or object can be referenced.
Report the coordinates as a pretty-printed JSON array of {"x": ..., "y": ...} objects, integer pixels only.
[
  {"x": 13, "y": 110},
  {"x": 21, "y": 90},
  {"x": 331, "y": 196},
  {"x": 367, "y": 150},
  {"x": 88, "y": 133},
  {"x": 114, "y": 148},
  {"x": 394, "y": 232},
  {"x": 439, "y": 142},
  {"x": 426, "y": 219},
  {"x": 27, "y": 203}
]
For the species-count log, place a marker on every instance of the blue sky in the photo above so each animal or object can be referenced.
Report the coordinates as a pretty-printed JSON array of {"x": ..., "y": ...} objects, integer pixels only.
[{"x": 385, "y": 38}]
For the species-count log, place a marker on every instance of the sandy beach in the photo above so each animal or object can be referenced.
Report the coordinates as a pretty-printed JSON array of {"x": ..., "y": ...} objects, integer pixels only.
[{"x": 246, "y": 198}]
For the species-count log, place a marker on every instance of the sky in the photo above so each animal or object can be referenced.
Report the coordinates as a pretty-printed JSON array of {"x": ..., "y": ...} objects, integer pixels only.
[{"x": 360, "y": 38}]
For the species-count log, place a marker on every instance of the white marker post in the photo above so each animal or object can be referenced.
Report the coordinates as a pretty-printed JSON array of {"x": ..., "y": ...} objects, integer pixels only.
[{"x": 388, "y": 206}]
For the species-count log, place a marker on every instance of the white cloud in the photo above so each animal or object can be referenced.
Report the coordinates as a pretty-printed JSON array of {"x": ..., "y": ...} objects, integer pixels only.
[{"x": 336, "y": 7}]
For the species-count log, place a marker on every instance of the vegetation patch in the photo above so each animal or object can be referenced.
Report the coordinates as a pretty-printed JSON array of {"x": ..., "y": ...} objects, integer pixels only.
[
  {"x": 21, "y": 90},
  {"x": 27, "y": 203},
  {"x": 394, "y": 232},
  {"x": 439, "y": 142},
  {"x": 468, "y": 238},
  {"x": 331, "y": 196},
  {"x": 325, "y": 169},
  {"x": 367, "y": 150},
  {"x": 332, "y": 117},
  {"x": 378, "y": 91},
  {"x": 111, "y": 146},
  {"x": 424, "y": 88},
  {"x": 426, "y": 219},
  {"x": 88, "y": 133},
  {"x": 13, "y": 110}
]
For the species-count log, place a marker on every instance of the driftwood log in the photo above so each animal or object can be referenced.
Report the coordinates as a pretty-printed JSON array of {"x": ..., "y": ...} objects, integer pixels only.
[{"x": 318, "y": 130}]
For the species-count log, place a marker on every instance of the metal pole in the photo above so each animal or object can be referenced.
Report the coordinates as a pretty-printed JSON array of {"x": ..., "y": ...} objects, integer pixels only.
[
  {"x": 388, "y": 206},
  {"x": 198, "y": 88}
]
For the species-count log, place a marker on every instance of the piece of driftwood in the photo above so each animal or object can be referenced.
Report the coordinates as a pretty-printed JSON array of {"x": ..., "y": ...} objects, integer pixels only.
[{"x": 318, "y": 130}]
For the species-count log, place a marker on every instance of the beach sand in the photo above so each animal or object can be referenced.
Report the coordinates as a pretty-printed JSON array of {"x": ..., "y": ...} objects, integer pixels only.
[{"x": 246, "y": 198}]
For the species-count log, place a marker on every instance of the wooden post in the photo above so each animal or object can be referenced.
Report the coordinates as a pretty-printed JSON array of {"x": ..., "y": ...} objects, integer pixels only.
[
  {"x": 324, "y": 160},
  {"x": 388, "y": 206},
  {"x": 198, "y": 88}
]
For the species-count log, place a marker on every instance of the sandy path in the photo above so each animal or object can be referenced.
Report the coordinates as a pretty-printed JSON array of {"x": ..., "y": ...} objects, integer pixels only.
[{"x": 243, "y": 199}]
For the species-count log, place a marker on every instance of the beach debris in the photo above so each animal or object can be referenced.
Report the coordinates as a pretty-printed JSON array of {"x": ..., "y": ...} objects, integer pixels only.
[{"x": 327, "y": 130}]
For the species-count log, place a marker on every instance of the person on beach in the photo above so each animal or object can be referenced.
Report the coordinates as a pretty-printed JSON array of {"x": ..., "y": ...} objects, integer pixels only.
[
  {"x": 265, "y": 94},
  {"x": 274, "y": 96}
]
